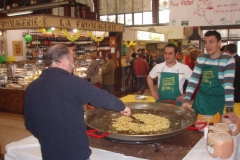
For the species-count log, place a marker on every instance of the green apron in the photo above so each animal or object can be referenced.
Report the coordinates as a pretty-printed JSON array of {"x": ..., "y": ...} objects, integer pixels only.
[
  {"x": 169, "y": 87},
  {"x": 210, "y": 98}
]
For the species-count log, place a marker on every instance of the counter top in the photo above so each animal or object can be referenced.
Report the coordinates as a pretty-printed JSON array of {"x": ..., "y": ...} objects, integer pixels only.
[{"x": 131, "y": 98}]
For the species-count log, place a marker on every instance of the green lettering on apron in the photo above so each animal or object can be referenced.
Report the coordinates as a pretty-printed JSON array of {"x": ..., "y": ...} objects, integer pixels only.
[
  {"x": 169, "y": 87},
  {"x": 210, "y": 98}
]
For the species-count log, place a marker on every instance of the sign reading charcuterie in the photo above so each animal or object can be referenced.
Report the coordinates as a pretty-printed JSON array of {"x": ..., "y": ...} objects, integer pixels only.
[
  {"x": 48, "y": 21},
  {"x": 204, "y": 12}
]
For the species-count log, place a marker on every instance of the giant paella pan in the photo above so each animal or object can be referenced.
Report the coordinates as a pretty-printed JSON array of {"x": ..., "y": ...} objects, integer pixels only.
[{"x": 101, "y": 120}]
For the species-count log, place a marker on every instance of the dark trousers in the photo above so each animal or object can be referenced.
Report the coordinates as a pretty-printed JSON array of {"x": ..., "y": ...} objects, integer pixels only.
[
  {"x": 142, "y": 84},
  {"x": 110, "y": 88}
]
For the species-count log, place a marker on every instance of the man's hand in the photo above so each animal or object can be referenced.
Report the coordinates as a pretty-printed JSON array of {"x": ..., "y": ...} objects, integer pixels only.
[
  {"x": 180, "y": 98},
  {"x": 232, "y": 116},
  {"x": 126, "y": 111},
  {"x": 155, "y": 95},
  {"x": 151, "y": 87},
  {"x": 187, "y": 105}
]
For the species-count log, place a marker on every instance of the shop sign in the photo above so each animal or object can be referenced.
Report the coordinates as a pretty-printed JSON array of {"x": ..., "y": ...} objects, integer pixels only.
[
  {"x": 204, "y": 12},
  {"x": 149, "y": 36},
  {"x": 22, "y": 22},
  {"x": 82, "y": 24},
  {"x": 48, "y": 21}
]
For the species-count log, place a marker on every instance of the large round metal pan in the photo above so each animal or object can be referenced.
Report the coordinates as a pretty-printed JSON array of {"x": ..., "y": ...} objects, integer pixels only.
[{"x": 180, "y": 118}]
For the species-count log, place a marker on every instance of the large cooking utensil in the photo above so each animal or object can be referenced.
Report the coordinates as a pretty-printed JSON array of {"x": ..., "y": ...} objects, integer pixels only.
[
  {"x": 180, "y": 118},
  {"x": 136, "y": 120}
]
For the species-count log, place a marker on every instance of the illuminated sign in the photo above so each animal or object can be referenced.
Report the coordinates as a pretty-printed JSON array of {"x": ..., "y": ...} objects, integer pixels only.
[{"x": 149, "y": 36}]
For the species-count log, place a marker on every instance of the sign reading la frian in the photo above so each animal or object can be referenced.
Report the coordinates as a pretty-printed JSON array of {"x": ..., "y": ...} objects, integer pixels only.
[{"x": 48, "y": 21}]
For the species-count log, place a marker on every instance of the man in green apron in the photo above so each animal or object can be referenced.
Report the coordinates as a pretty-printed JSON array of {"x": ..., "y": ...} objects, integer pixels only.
[
  {"x": 217, "y": 73},
  {"x": 210, "y": 93},
  {"x": 171, "y": 77}
]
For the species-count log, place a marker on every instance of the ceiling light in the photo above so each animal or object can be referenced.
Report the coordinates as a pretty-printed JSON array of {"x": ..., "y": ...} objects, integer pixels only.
[
  {"x": 52, "y": 28},
  {"x": 19, "y": 13},
  {"x": 75, "y": 30}
]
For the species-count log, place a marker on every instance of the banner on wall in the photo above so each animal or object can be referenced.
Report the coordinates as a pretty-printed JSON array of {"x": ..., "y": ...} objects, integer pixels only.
[
  {"x": 204, "y": 12},
  {"x": 17, "y": 48}
]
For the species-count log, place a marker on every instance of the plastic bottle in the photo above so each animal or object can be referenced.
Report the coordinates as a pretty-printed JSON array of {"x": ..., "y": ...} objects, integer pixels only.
[
  {"x": 220, "y": 144},
  {"x": 235, "y": 127},
  {"x": 221, "y": 127}
]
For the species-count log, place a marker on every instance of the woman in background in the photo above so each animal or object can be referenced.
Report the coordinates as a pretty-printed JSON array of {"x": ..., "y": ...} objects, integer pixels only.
[
  {"x": 194, "y": 53},
  {"x": 108, "y": 74},
  {"x": 93, "y": 71}
]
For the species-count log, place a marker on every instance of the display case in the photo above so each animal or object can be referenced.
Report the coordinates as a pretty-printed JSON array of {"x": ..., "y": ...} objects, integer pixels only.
[{"x": 17, "y": 75}]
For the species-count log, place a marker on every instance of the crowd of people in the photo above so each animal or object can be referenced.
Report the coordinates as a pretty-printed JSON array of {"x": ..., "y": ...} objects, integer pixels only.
[{"x": 53, "y": 109}]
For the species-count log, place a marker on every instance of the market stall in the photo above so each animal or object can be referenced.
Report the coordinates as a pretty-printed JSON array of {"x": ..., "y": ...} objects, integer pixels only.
[{"x": 25, "y": 40}]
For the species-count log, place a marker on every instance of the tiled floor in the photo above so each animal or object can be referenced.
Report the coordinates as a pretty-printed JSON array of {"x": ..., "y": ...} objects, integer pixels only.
[{"x": 12, "y": 127}]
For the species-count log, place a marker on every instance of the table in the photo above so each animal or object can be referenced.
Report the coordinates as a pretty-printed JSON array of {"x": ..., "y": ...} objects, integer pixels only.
[
  {"x": 199, "y": 151},
  {"x": 174, "y": 148},
  {"x": 131, "y": 98}
]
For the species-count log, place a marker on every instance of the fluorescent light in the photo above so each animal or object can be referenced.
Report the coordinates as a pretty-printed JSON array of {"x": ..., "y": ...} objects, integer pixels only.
[{"x": 19, "y": 13}]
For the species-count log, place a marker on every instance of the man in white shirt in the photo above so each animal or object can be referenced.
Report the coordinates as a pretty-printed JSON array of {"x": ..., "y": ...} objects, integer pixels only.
[{"x": 171, "y": 77}]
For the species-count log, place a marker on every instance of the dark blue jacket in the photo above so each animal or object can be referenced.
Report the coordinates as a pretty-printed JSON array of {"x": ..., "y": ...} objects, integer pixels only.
[{"x": 54, "y": 114}]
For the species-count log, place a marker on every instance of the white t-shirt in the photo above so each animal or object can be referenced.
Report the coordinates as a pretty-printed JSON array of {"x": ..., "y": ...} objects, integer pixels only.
[{"x": 183, "y": 71}]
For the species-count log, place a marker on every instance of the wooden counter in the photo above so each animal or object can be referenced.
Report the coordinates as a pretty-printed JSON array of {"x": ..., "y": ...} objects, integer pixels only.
[
  {"x": 12, "y": 100},
  {"x": 175, "y": 148}
]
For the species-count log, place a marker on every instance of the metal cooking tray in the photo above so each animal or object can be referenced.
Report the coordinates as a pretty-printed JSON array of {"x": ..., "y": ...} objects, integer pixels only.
[{"x": 180, "y": 118}]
